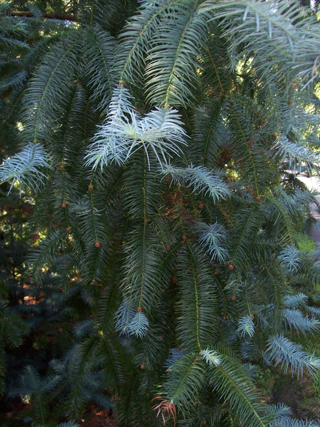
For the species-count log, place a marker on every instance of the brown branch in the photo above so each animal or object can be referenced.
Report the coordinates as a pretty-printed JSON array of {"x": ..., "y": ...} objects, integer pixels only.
[{"x": 28, "y": 14}]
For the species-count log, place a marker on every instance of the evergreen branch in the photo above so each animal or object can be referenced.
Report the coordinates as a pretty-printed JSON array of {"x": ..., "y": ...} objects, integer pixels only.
[
  {"x": 98, "y": 59},
  {"x": 143, "y": 274},
  {"x": 278, "y": 34},
  {"x": 232, "y": 384},
  {"x": 285, "y": 149},
  {"x": 282, "y": 217},
  {"x": 207, "y": 183},
  {"x": 279, "y": 17},
  {"x": 12, "y": 326},
  {"x": 249, "y": 224},
  {"x": 106, "y": 308},
  {"x": 135, "y": 41},
  {"x": 14, "y": 81},
  {"x": 314, "y": 311},
  {"x": 279, "y": 411},
  {"x": 242, "y": 138},
  {"x": 25, "y": 167},
  {"x": 13, "y": 106},
  {"x": 184, "y": 381},
  {"x": 139, "y": 324},
  {"x": 81, "y": 329},
  {"x": 47, "y": 92},
  {"x": 202, "y": 181},
  {"x": 115, "y": 363},
  {"x": 295, "y": 319},
  {"x": 32, "y": 385},
  {"x": 295, "y": 301},
  {"x": 123, "y": 317},
  {"x": 173, "y": 59},
  {"x": 246, "y": 326},
  {"x": 211, "y": 357},
  {"x": 143, "y": 263},
  {"x": 213, "y": 236},
  {"x": 290, "y": 422},
  {"x": 46, "y": 252},
  {"x": 275, "y": 277},
  {"x": 291, "y": 355},
  {"x": 209, "y": 133},
  {"x": 83, "y": 361},
  {"x": 197, "y": 302},
  {"x": 290, "y": 259},
  {"x": 125, "y": 132}
]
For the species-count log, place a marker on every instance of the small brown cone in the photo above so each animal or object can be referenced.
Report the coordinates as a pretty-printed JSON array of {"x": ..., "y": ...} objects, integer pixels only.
[{"x": 97, "y": 244}]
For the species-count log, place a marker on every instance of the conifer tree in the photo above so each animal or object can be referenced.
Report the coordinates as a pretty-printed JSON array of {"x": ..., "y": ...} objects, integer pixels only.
[{"x": 159, "y": 140}]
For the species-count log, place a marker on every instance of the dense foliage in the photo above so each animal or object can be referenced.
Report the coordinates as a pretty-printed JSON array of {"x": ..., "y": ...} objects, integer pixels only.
[{"x": 154, "y": 148}]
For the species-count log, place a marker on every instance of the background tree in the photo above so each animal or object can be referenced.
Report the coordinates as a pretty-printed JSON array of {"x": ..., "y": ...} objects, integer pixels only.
[{"x": 158, "y": 143}]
